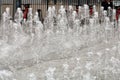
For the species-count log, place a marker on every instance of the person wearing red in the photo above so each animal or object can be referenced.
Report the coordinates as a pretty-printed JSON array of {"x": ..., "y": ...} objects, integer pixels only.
[
  {"x": 118, "y": 13},
  {"x": 25, "y": 11}
]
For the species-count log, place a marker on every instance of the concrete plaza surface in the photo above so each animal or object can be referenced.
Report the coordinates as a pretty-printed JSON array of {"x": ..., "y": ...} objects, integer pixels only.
[{"x": 75, "y": 62}]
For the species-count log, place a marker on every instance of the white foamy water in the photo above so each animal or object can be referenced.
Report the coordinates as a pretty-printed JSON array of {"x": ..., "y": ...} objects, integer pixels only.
[{"x": 66, "y": 46}]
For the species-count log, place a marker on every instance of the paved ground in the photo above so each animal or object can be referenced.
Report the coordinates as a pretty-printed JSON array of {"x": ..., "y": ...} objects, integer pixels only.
[{"x": 40, "y": 68}]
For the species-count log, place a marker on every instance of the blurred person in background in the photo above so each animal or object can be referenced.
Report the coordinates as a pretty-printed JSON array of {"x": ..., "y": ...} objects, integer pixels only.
[
  {"x": 106, "y": 4},
  {"x": 0, "y": 7},
  {"x": 18, "y": 3},
  {"x": 25, "y": 12},
  {"x": 55, "y": 2}
]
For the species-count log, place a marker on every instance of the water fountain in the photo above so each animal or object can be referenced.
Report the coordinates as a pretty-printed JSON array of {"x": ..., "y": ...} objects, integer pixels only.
[
  {"x": 50, "y": 74},
  {"x": 6, "y": 75},
  {"x": 18, "y": 15},
  {"x": 66, "y": 46},
  {"x": 32, "y": 76}
]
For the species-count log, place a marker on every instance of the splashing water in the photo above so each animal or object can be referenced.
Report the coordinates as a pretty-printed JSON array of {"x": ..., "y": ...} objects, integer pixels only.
[{"x": 35, "y": 50}]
